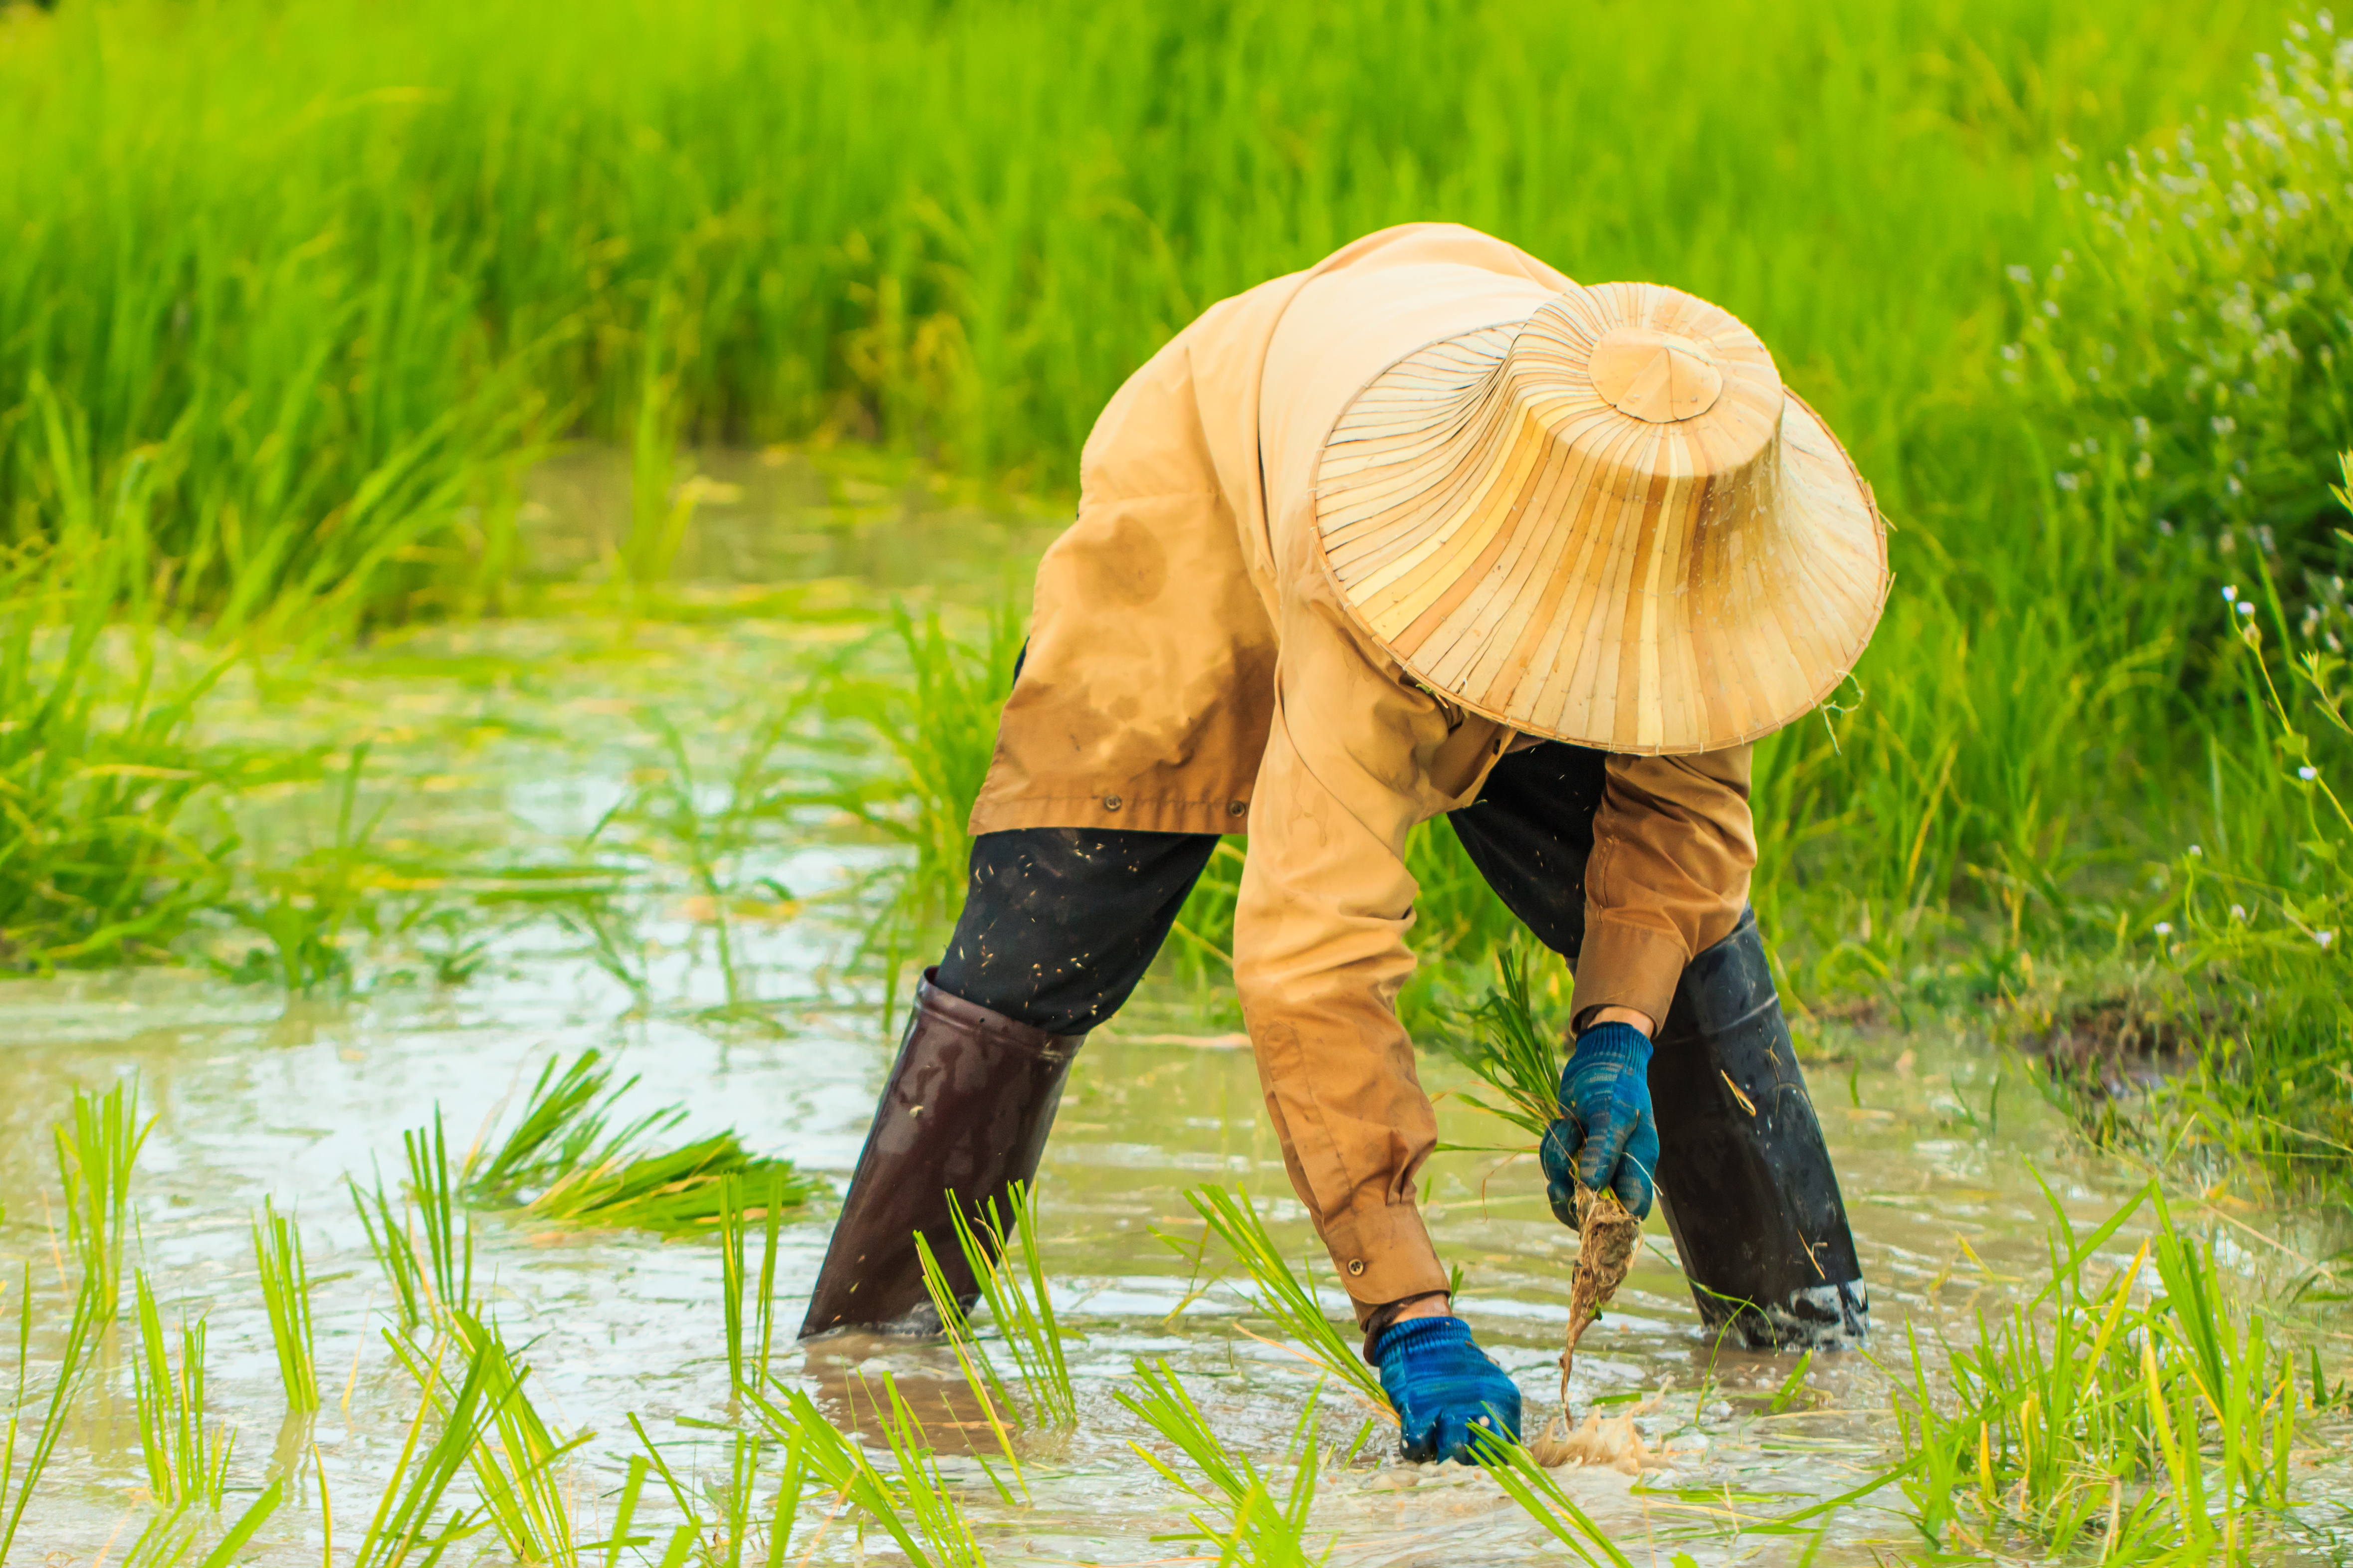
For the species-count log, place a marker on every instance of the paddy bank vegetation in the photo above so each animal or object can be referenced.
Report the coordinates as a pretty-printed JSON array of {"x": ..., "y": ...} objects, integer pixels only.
[{"x": 292, "y": 298}]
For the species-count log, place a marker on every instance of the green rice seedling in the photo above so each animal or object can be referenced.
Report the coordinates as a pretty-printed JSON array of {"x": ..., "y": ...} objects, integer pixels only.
[
  {"x": 1020, "y": 1302},
  {"x": 1507, "y": 1047},
  {"x": 449, "y": 1229},
  {"x": 2103, "y": 1414},
  {"x": 73, "y": 1364},
  {"x": 1259, "y": 1529},
  {"x": 748, "y": 1357},
  {"x": 625, "y": 1514},
  {"x": 517, "y": 1460},
  {"x": 388, "y": 1240},
  {"x": 565, "y": 1161},
  {"x": 402, "y": 1527},
  {"x": 187, "y": 1459},
  {"x": 97, "y": 1147},
  {"x": 731, "y": 1274},
  {"x": 170, "y": 1539},
  {"x": 286, "y": 1293},
  {"x": 913, "y": 1505},
  {"x": 1285, "y": 1296},
  {"x": 736, "y": 1500},
  {"x": 980, "y": 1374}
]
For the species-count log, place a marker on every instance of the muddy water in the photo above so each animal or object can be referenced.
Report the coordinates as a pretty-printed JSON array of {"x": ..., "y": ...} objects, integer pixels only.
[{"x": 506, "y": 746}]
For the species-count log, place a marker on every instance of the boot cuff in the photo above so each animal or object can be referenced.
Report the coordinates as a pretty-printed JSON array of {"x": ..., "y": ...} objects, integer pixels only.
[{"x": 990, "y": 1028}]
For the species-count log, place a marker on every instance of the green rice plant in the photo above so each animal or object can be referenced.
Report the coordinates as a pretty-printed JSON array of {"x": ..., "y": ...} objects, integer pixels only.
[
  {"x": 316, "y": 902},
  {"x": 748, "y": 1356},
  {"x": 187, "y": 1459},
  {"x": 1259, "y": 1529},
  {"x": 1286, "y": 1296},
  {"x": 402, "y": 1527},
  {"x": 624, "y": 1514},
  {"x": 98, "y": 772},
  {"x": 938, "y": 724},
  {"x": 736, "y": 1500},
  {"x": 97, "y": 1147},
  {"x": 285, "y": 1294},
  {"x": 1508, "y": 1048},
  {"x": 2104, "y": 1414},
  {"x": 437, "y": 1189},
  {"x": 565, "y": 1160},
  {"x": 74, "y": 1362},
  {"x": 1021, "y": 1303},
  {"x": 913, "y": 1504},
  {"x": 388, "y": 1240},
  {"x": 517, "y": 1460},
  {"x": 170, "y": 1539}
]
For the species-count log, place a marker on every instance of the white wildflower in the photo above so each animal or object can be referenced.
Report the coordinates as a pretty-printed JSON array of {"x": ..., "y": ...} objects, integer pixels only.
[
  {"x": 2307, "y": 773},
  {"x": 2324, "y": 937},
  {"x": 2163, "y": 928},
  {"x": 2230, "y": 593}
]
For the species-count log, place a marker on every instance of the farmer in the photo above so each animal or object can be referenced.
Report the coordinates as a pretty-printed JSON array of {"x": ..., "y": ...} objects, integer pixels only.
[{"x": 1426, "y": 528}]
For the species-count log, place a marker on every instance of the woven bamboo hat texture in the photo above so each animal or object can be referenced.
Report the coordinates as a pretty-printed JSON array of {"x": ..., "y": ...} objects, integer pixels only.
[{"x": 1609, "y": 524}]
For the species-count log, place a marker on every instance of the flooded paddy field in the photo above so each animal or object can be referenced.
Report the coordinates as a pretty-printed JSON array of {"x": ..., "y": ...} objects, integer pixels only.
[{"x": 529, "y": 906}]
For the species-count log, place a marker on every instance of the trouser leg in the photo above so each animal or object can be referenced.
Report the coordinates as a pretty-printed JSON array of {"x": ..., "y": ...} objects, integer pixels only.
[
  {"x": 1059, "y": 926},
  {"x": 1744, "y": 1178}
]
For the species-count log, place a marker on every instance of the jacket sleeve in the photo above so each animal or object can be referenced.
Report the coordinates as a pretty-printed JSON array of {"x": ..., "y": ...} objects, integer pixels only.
[
  {"x": 1673, "y": 846},
  {"x": 1320, "y": 953}
]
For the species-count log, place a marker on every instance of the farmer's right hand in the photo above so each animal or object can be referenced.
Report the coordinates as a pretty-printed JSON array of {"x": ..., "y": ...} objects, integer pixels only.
[
  {"x": 1445, "y": 1390},
  {"x": 1606, "y": 1137}
]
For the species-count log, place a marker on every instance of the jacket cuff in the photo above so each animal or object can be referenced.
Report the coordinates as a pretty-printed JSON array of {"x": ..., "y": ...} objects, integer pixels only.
[
  {"x": 1622, "y": 964},
  {"x": 1382, "y": 1254}
]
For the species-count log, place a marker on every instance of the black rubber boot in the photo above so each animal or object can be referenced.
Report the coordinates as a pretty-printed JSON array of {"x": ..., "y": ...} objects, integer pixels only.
[
  {"x": 1744, "y": 1177},
  {"x": 966, "y": 1110}
]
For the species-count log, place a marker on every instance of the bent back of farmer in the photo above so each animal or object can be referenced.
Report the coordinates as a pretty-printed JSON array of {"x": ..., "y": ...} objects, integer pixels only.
[{"x": 1426, "y": 529}]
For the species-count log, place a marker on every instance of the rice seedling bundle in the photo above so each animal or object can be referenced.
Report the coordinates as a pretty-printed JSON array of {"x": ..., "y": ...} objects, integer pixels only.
[{"x": 568, "y": 1159}]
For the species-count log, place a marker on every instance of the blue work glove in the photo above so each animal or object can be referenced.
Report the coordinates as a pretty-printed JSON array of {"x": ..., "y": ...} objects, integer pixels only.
[
  {"x": 1606, "y": 1136},
  {"x": 1442, "y": 1386}
]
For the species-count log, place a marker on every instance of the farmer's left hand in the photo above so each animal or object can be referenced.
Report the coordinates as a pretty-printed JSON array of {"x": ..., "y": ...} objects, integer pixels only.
[{"x": 1606, "y": 1136}]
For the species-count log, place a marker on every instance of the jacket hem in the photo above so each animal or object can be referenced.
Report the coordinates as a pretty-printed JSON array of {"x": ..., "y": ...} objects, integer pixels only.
[{"x": 1135, "y": 816}]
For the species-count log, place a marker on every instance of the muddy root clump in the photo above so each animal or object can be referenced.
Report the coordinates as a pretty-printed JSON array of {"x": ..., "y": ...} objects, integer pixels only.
[{"x": 1606, "y": 1237}]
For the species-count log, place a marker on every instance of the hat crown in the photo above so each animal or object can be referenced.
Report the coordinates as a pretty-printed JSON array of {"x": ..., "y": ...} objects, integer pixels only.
[
  {"x": 1607, "y": 524},
  {"x": 1661, "y": 378}
]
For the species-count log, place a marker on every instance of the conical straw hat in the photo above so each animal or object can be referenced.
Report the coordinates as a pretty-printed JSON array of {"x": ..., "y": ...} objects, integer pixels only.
[{"x": 1609, "y": 524}]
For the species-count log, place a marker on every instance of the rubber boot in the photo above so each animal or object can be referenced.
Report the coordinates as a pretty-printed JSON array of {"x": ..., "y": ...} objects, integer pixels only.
[
  {"x": 966, "y": 1110},
  {"x": 1744, "y": 1177}
]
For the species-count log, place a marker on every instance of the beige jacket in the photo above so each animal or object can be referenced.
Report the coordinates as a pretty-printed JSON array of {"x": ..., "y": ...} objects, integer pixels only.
[{"x": 1191, "y": 669}]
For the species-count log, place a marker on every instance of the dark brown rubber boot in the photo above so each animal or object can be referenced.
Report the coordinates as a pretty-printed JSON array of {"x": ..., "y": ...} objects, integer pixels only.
[
  {"x": 1744, "y": 1175},
  {"x": 966, "y": 1110}
]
